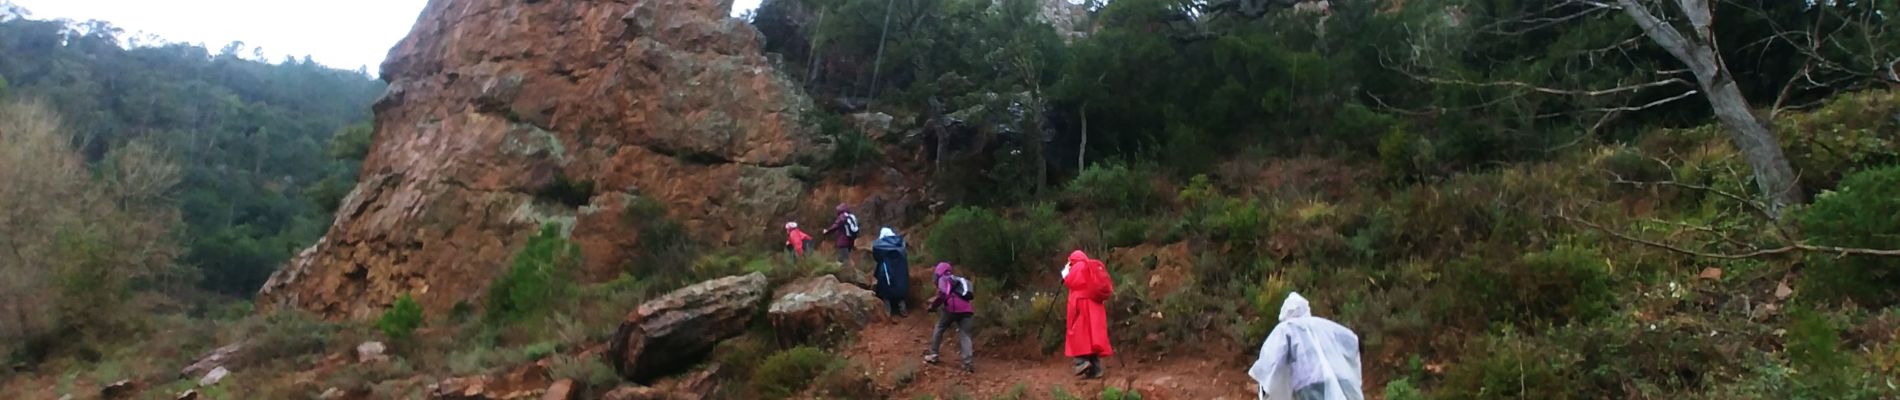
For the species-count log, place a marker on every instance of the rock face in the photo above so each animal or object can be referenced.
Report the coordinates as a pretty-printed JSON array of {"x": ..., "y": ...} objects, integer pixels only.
[
  {"x": 671, "y": 333},
  {"x": 811, "y": 308},
  {"x": 502, "y": 116}
]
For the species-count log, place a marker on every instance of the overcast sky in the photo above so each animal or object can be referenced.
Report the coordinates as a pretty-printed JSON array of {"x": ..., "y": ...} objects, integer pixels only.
[{"x": 344, "y": 34}]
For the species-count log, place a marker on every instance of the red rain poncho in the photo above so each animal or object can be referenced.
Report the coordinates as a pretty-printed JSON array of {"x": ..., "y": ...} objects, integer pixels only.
[{"x": 1089, "y": 286}]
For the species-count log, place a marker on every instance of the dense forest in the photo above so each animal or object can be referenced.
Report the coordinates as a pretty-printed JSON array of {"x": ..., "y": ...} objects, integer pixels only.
[
  {"x": 1503, "y": 198},
  {"x": 259, "y": 169}
]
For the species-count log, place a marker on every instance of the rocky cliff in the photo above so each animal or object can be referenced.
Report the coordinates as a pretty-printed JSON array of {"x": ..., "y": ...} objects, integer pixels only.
[{"x": 506, "y": 115}]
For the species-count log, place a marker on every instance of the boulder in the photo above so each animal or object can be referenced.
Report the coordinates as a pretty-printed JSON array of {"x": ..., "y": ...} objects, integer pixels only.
[
  {"x": 814, "y": 308},
  {"x": 370, "y": 352},
  {"x": 560, "y": 390},
  {"x": 671, "y": 333},
  {"x": 212, "y": 378},
  {"x": 218, "y": 357}
]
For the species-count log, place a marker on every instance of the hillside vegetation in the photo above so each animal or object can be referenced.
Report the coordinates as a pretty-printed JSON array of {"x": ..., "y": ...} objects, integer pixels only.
[{"x": 1504, "y": 199}]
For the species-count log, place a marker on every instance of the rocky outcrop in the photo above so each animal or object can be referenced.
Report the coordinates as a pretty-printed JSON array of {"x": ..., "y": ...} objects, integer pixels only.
[
  {"x": 217, "y": 358},
  {"x": 814, "y": 308},
  {"x": 671, "y": 333},
  {"x": 503, "y": 116}
]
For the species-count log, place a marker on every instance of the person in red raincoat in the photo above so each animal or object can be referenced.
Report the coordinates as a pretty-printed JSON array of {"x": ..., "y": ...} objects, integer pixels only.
[{"x": 1086, "y": 338}]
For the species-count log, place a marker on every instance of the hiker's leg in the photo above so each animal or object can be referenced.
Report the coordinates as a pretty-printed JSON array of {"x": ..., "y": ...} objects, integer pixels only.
[
  {"x": 936, "y": 335},
  {"x": 963, "y": 337}
]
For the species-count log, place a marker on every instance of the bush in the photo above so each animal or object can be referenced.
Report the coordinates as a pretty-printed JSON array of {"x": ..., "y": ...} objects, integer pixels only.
[
  {"x": 1566, "y": 283},
  {"x": 1403, "y": 155},
  {"x": 1510, "y": 366},
  {"x": 1402, "y": 389},
  {"x": 288, "y": 335},
  {"x": 1007, "y": 249},
  {"x": 1114, "y": 188},
  {"x": 401, "y": 319},
  {"x": 789, "y": 372},
  {"x": 852, "y": 149},
  {"x": 587, "y": 371},
  {"x": 1864, "y": 212},
  {"x": 664, "y": 244},
  {"x": 1114, "y": 393},
  {"x": 542, "y": 274}
]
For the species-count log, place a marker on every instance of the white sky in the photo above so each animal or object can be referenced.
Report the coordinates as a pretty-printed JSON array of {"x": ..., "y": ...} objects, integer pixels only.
[{"x": 344, "y": 34}]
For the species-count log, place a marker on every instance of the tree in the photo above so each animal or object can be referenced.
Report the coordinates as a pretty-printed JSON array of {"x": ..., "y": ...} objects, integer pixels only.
[{"x": 1754, "y": 137}]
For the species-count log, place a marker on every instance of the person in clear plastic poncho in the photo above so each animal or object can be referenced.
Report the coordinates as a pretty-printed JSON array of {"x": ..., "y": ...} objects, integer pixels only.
[{"x": 1308, "y": 358}]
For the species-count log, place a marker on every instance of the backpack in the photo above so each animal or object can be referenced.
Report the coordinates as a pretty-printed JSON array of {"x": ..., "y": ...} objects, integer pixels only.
[
  {"x": 960, "y": 287},
  {"x": 851, "y": 225}
]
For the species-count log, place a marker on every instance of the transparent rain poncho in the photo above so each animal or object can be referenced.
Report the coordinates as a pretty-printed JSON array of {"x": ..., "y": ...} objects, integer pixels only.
[{"x": 1308, "y": 356}]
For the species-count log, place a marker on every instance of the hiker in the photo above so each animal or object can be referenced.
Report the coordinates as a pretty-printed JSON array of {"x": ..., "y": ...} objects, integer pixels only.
[
  {"x": 1086, "y": 339},
  {"x": 846, "y": 227},
  {"x": 953, "y": 297},
  {"x": 796, "y": 240},
  {"x": 893, "y": 270},
  {"x": 1307, "y": 358}
]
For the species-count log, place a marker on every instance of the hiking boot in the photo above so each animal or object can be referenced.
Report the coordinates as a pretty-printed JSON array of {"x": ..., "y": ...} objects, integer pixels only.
[
  {"x": 1095, "y": 372},
  {"x": 1081, "y": 367},
  {"x": 967, "y": 368},
  {"x": 930, "y": 359}
]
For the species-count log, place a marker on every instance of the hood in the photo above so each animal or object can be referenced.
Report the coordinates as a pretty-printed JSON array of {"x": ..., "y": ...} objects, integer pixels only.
[
  {"x": 1078, "y": 257},
  {"x": 886, "y": 232},
  {"x": 791, "y": 225},
  {"x": 1294, "y": 307},
  {"x": 943, "y": 268},
  {"x": 843, "y": 208}
]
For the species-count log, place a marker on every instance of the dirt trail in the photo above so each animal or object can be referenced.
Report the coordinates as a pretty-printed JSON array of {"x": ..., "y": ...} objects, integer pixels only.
[{"x": 885, "y": 348}]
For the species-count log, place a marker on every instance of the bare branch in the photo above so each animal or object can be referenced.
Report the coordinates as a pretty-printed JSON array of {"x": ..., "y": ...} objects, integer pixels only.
[
  {"x": 1793, "y": 248},
  {"x": 1541, "y": 89}
]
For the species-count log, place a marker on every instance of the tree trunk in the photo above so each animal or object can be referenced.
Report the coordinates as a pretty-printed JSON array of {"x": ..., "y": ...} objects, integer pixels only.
[
  {"x": 811, "y": 73},
  {"x": 877, "y": 61},
  {"x": 1081, "y": 151},
  {"x": 1774, "y": 176}
]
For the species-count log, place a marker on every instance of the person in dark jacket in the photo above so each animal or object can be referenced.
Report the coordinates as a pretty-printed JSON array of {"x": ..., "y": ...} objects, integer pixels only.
[
  {"x": 893, "y": 270},
  {"x": 846, "y": 227}
]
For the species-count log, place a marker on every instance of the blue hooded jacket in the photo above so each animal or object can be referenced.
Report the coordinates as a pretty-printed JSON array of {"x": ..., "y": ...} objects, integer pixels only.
[{"x": 893, "y": 265}]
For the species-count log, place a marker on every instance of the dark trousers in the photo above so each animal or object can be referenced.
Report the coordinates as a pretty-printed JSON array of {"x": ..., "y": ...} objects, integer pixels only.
[
  {"x": 896, "y": 306},
  {"x": 962, "y": 323}
]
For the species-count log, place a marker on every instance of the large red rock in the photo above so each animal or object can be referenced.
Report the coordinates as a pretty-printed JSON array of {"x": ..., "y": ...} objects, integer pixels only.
[
  {"x": 672, "y": 333},
  {"x": 492, "y": 101}
]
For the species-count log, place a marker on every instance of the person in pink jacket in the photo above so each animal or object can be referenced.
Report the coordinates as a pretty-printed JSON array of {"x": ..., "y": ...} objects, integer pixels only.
[{"x": 953, "y": 298}]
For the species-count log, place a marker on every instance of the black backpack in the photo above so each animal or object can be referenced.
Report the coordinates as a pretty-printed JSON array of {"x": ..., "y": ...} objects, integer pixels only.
[
  {"x": 960, "y": 287},
  {"x": 851, "y": 225}
]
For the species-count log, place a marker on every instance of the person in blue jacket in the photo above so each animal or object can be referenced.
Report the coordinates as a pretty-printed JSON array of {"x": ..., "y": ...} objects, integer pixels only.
[{"x": 892, "y": 272}]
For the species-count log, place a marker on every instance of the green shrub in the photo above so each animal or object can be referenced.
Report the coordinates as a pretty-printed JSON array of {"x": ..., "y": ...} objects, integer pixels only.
[
  {"x": 789, "y": 372},
  {"x": 664, "y": 244},
  {"x": 1510, "y": 366},
  {"x": 1404, "y": 156},
  {"x": 852, "y": 149},
  {"x": 990, "y": 245},
  {"x": 1814, "y": 349},
  {"x": 1114, "y": 188},
  {"x": 401, "y": 319},
  {"x": 588, "y": 371},
  {"x": 1402, "y": 389},
  {"x": 289, "y": 335},
  {"x": 1852, "y": 132},
  {"x": 846, "y": 381},
  {"x": 1566, "y": 283},
  {"x": 1114, "y": 393},
  {"x": 541, "y": 275},
  {"x": 1864, "y": 212}
]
